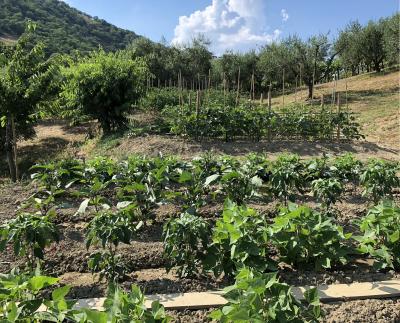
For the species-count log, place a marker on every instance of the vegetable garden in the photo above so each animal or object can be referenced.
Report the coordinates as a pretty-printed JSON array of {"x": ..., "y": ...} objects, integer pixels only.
[{"x": 255, "y": 224}]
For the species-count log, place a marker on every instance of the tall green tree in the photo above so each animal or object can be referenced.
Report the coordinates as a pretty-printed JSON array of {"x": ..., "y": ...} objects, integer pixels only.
[
  {"x": 25, "y": 75},
  {"x": 391, "y": 39},
  {"x": 104, "y": 86},
  {"x": 372, "y": 45},
  {"x": 349, "y": 46}
]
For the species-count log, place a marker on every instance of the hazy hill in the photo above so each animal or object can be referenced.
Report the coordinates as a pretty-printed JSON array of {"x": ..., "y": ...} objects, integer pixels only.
[{"x": 61, "y": 27}]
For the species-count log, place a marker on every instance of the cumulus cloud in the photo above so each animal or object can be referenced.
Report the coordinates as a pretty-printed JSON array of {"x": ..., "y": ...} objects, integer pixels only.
[
  {"x": 229, "y": 24},
  {"x": 285, "y": 15}
]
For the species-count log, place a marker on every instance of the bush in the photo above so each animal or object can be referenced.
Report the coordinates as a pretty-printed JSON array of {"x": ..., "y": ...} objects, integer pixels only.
[
  {"x": 159, "y": 98},
  {"x": 104, "y": 85}
]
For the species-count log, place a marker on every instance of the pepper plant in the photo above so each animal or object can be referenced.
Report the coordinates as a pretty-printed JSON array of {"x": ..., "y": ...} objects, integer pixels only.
[
  {"x": 304, "y": 237},
  {"x": 257, "y": 297},
  {"x": 327, "y": 191},
  {"x": 30, "y": 234},
  {"x": 381, "y": 234},
  {"x": 379, "y": 178},
  {"x": 186, "y": 241},
  {"x": 108, "y": 229},
  {"x": 286, "y": 176}
]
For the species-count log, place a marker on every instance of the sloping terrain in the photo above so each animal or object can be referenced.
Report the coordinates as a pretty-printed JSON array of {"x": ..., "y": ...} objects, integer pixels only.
[{"x": 62, "y": 28}]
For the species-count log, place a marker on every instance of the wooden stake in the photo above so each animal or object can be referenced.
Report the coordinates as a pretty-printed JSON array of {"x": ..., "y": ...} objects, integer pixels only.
[
  {"x": 238, "y": 88},
  {"x": 14, "y": 144},
  {"x": 283, "y": 88}
]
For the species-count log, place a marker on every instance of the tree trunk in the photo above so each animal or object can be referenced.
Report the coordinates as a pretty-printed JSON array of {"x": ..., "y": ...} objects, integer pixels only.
[
  {"x": 10, "y": 149},
  {"x": 377, "y": 66},
  {"x": 310, "y": 90}
]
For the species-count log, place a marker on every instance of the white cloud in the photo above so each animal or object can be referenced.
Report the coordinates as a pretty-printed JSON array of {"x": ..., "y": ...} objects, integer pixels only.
[
  {"x": 229, "y": 24},
  {"x": 285, "y": 15}
]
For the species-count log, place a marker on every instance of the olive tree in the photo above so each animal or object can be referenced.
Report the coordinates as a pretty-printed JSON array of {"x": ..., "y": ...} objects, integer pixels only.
[{"x": 103, "y": 86}]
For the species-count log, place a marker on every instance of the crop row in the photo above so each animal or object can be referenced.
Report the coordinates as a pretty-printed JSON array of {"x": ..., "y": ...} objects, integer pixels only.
[
  {"x": 121, "y": 198},
  {"x": 216, "y": 114}
]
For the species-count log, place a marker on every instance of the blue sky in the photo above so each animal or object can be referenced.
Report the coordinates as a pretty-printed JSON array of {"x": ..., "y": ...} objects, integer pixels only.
[{"x": 234, "y": 24}]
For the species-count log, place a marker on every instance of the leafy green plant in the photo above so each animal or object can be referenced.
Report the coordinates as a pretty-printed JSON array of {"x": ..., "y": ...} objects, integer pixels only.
[
  {"x": 347, "y": 167},
  {"x": 304, "y": 237},
  {"x": 21, "y": 298},
  {"x": 186, "y": 240},
  {"x": 381, "y": 235},
  {"x": 240, "y": 184},
  {"x": 103, "y": 86},
  {"x": 108, "y": 229},
  {"x": 286, "y": 176},
  {"x": 241, "y": 238},
  {"x": 29, "y": 234},
  {"x": 327, "y": 191},
  {"x": 379, "y": 178},
  {"x": 257, "y": 297},
  {"x": 121, "y": 306}
]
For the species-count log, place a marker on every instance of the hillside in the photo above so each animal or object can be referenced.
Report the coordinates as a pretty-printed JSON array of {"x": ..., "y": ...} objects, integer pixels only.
[
  {"x": 373, "y": 96},
  {"x": 62, "y": 28}
]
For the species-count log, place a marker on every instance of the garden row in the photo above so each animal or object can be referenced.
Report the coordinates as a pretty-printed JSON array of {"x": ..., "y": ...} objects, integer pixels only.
[
  {"x": 121, "y": 197},
  {"x": 218, "y": 115}
]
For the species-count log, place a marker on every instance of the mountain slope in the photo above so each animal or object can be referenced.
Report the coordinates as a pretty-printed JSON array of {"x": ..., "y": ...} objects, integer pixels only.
[{"x": 62, "y": 28}]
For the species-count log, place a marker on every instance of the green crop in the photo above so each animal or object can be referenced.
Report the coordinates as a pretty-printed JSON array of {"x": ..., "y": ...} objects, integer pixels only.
[
  {"x": 304, "y": 237},
  {"x": 286, "y": 176},
  {"x": 379, "y": 178},
  {"x": 240, "y": 238},
  {"x": 257, "y": 297},
  {"x": 381, "y": 239},
  {"x": 30, "y": 235},
  {"x": 327, "y": 191},
  {"x": 186, "y": 241},
  {"x": 108, "y": 229}
]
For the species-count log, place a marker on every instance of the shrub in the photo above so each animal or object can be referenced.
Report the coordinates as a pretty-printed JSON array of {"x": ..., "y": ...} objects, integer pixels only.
[
  {"x": 159, "y": 98},
  {"x": 381, "y": 239},
  {"x": 259, "y": 297},
  {"x": 103, "y": 86},
  {"x": 303, "y": 237}
]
